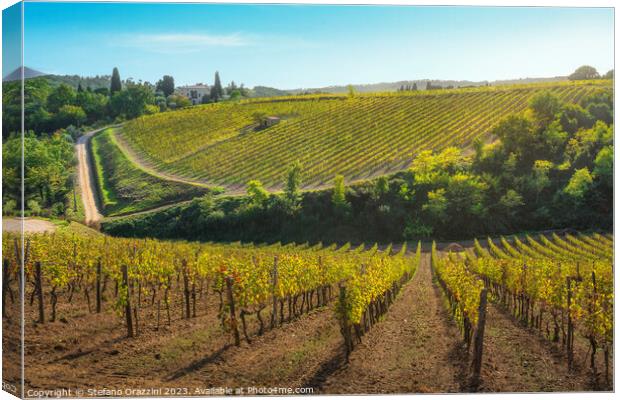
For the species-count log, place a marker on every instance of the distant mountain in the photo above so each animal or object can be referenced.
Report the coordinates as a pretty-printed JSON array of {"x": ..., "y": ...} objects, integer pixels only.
[{"x": 17, "y": 74}]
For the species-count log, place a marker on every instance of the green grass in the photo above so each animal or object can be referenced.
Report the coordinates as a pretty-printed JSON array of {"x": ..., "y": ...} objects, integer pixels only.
[
  {"x": 124, "y": 188},
  {"x": 360, "y": 137}
]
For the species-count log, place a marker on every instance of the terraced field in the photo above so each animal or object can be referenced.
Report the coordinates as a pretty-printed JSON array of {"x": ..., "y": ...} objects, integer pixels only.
[{"x": 358, "y": 136}]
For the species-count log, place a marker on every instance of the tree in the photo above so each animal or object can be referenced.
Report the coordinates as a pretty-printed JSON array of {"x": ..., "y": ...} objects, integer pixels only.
[
  {"x": 115, "y": 85},
  {"x": 544, "y": 107},
  {"x": 33, "y": 206},
  {"x": 415, "y": 86},
  {"x": 584, "y": 72},
  {"x": 257, "y": 194},
  {"x": 166, "y": 85},
  {"x": 604, "y": 164},
  {"x": 93, "y": 104},
  {"x": 292, "y": 184},
  {"x": 609, "y": 74},
  {"x": 351, "y": 90},
  {"x": 579, "y": 184},
  {"x": 217, "y": 92},
  {"x": 132, "y": 101},
  {"x": 79, "y": 89},
  {"x": 176, "y": 101},
  {"x": 540, "y": 178},
  {"x": 70, "y": 115},
  {"x": 339, "y": 199},
  {"x": 259, "y": 117},
  {"x": 61, "y": 96},
  {"x": 437, "y": 205},
  {"x": 382, "y": 186}
]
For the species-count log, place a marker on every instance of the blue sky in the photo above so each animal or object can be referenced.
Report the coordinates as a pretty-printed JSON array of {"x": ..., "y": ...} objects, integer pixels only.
[{"x": 311, "y": 46}]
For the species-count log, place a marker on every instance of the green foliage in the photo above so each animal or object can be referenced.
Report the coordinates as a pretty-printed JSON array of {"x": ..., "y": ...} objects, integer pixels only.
[
  {"x": 165, "y": 85},
  {"x": 257, "y": 194},
  {"x": 9, "y": 207},
  {"x": 292, "y": 187},
  {"x": 584, "y": 72},
  {"x": 48, "y": 164},
  {"x": 62, "y": 96},
  {"x": 177, "y": 101},
  {"x": 544, "y": 107},
  {"x": 217, "y": 92},
  {"x": 351, "y": 91},
  {"x": 115, "y": 84},
  {"x": 579, "y": 184},
  {"x": 604, "y": 164},
  {"x": 437, "y": 205},
  {"x": 511, "y": 202},
  {"x": 131, "y": 102},
  {"x": 70, "y": 115},
  {"x": 430, "y": 168},
  {"x": 339, "y": 200}
]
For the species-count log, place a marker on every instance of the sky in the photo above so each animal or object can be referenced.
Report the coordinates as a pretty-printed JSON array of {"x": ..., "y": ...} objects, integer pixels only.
[{"x": 305, "y": 46}]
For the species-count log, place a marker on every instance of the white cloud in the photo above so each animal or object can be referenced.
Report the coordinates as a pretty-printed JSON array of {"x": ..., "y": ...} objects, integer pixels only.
[{"x": 174, "y": 43}]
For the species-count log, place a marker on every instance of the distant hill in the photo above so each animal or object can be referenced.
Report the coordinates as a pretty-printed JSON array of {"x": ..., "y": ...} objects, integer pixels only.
[
  {"x": 94, "y": 82},
  {"x": 421, "y": 84},
  {"x": 264, "y": 91},
  {"x": 17, "y": 74}
]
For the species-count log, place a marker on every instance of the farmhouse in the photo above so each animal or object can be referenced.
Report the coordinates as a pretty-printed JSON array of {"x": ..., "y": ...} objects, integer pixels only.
[
  {"x": 194, "y": 92},
  {"x": 269, "y": 121}
]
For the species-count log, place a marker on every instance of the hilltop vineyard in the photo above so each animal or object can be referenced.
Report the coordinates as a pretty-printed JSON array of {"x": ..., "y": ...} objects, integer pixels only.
[{"x": 359, "y": 136}]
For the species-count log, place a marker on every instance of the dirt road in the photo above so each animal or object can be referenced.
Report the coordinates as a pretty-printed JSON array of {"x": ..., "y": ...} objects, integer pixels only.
[
  {"x": 87, "y": 179},
  {"x": 31, "y": 225}
]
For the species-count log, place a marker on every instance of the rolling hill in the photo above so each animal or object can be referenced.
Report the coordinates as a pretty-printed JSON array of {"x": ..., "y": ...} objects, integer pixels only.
[{"x": 361, "y": 137}]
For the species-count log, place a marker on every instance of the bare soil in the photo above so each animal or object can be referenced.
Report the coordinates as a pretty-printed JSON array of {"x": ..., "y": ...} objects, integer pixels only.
[{"x": 31, "y": 225}]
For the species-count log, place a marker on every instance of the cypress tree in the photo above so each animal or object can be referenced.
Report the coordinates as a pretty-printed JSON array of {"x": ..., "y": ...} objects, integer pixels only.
[
  {"x": 80, "y": 88},
  {"x": 216, "y": 91},
  {"x": 115, "y": 86}
]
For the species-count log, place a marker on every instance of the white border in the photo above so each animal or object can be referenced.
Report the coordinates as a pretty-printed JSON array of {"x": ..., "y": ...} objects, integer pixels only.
[{"x": 522, "y": 3}]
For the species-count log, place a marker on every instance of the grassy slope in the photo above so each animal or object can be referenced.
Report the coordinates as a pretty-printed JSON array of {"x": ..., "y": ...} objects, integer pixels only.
[
  {"x": 359, "y": 137},
  {"x": 124, "y": 188}
]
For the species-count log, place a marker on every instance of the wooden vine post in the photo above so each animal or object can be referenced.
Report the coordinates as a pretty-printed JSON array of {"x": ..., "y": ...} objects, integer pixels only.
[
  {"x": 39, "y": 283},
  {"x": 5, "y": 284},
  {"x": 274, "y": 283},
  {"x": 345, "y": 326},
  {"x": 592, "y": 338},
  {"x": 98, "y": 287},
  {"x": 479, "y": 338},
  {"x": 569, "y": 335},
  {"x": 231, "y": 304},
  {"x": 127, "y": 302},
  {"x": 186, "y": 291}
]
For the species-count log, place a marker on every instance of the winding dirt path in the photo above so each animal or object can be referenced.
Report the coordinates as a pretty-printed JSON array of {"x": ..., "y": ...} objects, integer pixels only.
[{"x": 86, "y": 175}]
